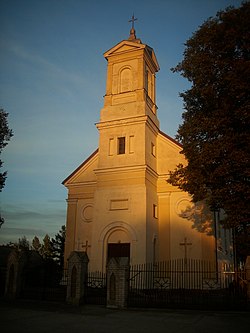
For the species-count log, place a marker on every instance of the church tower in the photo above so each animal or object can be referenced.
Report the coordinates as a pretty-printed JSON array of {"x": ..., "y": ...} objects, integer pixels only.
[
  {"x": 126, "y": 195},
  {"x": 119, "y": 200}
]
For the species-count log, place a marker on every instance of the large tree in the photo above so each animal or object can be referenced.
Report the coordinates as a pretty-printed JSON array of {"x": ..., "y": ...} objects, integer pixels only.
[
  {"x": 215, "y": 133},
  {"x": 5, "y": 135}
]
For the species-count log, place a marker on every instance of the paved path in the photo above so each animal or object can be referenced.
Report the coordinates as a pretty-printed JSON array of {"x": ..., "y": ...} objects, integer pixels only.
[{"x": 33, "y": 317}]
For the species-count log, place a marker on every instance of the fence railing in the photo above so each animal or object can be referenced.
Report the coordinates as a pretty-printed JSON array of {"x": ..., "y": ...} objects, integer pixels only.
[
  {"x": 96, "y": 288},
  {"x": 180, "y": 273},
  {"x": 185, "y": 283}
]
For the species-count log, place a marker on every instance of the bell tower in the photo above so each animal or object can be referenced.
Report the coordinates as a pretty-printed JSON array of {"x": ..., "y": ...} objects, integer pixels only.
[
  {"x": 131, "y": 78},
  {"x": 129, "y": 115},
  {"x": 126, "y": 174}
]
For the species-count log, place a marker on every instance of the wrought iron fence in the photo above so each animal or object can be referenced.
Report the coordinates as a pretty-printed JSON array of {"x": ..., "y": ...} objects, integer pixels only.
[
  {"x": 96, "y": 288},
  {"x": 184, "y": 283},
  {"x": 49, "y": 287}
]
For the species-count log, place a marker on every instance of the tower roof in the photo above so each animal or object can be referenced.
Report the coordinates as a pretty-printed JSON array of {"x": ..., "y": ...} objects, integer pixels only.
[{"x": 132, "y": 44}]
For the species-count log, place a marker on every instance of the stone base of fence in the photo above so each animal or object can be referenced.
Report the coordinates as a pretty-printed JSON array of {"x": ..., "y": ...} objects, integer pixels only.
[
  {"x": 117, "y": 282},
  {"x": 14, "y": 278},
  {"x": 77, "y": 274}
]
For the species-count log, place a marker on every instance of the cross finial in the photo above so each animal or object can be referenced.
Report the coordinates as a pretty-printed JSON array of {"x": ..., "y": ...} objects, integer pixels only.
[
  {"x": 132, "y": 36},
  {"x": 133, "y": 19}
]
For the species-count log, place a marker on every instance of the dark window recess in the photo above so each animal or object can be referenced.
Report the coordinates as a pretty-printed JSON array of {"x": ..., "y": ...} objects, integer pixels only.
[
  {"x": 121, "y": 145},
  {"x": 118, "y": 250}
]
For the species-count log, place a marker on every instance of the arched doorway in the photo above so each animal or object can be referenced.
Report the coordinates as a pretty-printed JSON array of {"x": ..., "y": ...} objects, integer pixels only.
[
  {"x": 118, "y": 243},
  {"x": 118, "y": 239}
]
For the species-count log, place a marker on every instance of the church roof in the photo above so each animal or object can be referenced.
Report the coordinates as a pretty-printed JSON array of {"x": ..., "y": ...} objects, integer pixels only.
[
  {"x": 80, "y": 166},
  {"x": 170, "y": 138}
]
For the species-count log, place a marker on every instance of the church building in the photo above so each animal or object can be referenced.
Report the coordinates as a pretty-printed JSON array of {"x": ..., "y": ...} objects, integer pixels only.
[{"x": 119, "y": 201}]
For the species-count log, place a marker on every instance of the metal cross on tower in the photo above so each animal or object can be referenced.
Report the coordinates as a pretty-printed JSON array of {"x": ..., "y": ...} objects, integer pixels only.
[{"x": 133, "y": 19}]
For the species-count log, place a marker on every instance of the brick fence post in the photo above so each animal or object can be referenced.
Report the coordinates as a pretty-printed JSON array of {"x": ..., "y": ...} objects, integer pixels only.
[
  {"x": 15, "y": 273},
  {"x": 77, "y": 275},
  {"x": 117, "y": 282}
]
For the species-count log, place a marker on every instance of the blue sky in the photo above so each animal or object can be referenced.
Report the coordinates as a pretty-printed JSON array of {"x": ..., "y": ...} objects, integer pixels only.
[{"x": 52, "y": 82}]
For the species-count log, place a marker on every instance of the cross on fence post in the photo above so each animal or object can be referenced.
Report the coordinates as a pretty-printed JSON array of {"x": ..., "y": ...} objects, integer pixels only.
[
  {"x": 86, "y": 246},
  {"x": 185, "y": 244}
]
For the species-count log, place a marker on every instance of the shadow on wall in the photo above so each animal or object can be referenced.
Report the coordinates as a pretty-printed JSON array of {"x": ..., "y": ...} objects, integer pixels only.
[{"x": 201, "y": 217}]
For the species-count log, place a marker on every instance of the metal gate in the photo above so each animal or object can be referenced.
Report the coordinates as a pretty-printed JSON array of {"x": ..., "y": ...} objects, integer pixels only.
[
  {"x": 185, "y": 284},
  {"x": 96, "y": 288}
]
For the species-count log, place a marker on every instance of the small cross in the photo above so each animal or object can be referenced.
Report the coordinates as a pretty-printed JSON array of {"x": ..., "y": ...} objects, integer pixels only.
[
  {"x": 133, "y": 19},
  {"x": 86, "y": 246},
  {"x": 185, "y": 243}
]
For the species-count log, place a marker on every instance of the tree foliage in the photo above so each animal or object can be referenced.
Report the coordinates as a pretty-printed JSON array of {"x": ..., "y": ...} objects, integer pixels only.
[
  {"x": 215, "y": 131},
  {"x": 21, "y": 244},
  {"x": 5, "y": 135},
  {"x": 58, "y": 246},
  {"x": 36, "y": 245},
  {"x": 51, "y": 249},
  {"x": 46, "y": 248}
]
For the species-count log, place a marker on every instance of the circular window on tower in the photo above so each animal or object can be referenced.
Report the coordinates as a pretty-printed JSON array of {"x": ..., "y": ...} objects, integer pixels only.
[{"x": 87, "y": 213}]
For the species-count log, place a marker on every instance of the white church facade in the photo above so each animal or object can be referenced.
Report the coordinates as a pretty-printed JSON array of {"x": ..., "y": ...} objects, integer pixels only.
[{"x": 119, "y": 200}]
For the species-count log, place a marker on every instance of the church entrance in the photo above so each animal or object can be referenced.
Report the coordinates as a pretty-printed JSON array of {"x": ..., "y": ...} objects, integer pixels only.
[{"x": 118, "y": 250}]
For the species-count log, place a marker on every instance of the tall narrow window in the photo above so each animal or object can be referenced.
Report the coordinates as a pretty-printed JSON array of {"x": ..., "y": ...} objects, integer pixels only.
[
  {"x": 155, "y": 212},
  {"x": 152, "y": 149},
  {"x": 146, "y": 80},
  {"x": 126, "y": 80},
  {"x": 121, "y": 145},
  {"x": 150, "y": 85}
]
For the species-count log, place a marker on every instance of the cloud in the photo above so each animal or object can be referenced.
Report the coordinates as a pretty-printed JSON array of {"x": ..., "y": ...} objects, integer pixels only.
[
  {"x": 51, "y": 69},
  {"x": 23, "y": 231},
  {"x": 13, "y": 234},
  {"x": 12, "y": 212},
  {"x": 25, "y": 220}
]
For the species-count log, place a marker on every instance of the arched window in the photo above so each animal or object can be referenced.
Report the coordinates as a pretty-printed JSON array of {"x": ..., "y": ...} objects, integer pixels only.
[{"x": 125, "y": 80}]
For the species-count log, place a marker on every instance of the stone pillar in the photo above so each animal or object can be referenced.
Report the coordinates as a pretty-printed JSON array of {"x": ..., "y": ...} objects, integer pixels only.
[
  {"x": 15, "y": 273},
  {"x": 248, "y": 278},
  {"x": 117, "y": 282},
  {"x": 70, "y": 229},
  {"x": 77, "y": 275}
]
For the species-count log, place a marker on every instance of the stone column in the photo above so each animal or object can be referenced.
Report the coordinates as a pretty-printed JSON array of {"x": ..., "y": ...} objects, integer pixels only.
[
  {"x": 77, "y": 275},
  {"x": 117, "y": 282},
  {"x": 70, "y": 229}
]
